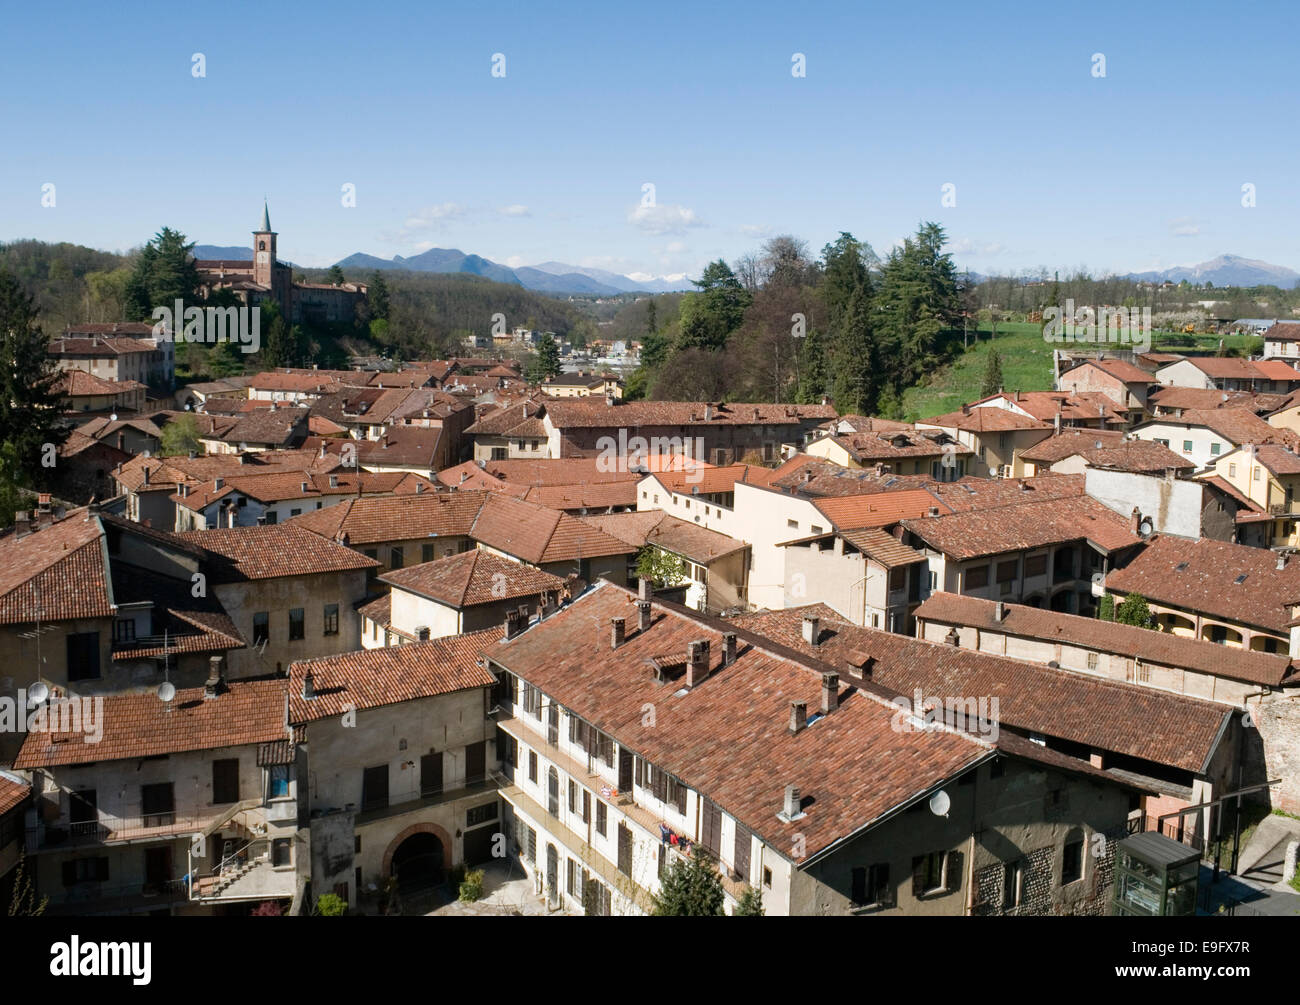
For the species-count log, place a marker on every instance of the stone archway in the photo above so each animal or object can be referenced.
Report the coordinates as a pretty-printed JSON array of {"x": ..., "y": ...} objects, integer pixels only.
[{"x": 443, "y": 837}]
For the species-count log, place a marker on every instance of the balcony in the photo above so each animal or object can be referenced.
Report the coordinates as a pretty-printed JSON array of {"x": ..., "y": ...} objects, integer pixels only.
[
  {"x": 101, "y": 898},
  {"x": 247, "y": 873},
  {"x": 112, "y": 830}
]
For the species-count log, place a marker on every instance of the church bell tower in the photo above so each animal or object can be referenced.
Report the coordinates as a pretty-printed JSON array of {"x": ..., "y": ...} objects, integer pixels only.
[{"x": 264, "y": 250}]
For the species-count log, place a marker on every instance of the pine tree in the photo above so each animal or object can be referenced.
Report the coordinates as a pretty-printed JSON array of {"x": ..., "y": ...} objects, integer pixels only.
[
  {"x": 855, "y": 357},
  {"x": 378, "y": 296},
  {"x": 690, "y": 888},
  {"x": 814, "y": 376},
  {"x": 30, "y": 408},
  {"x": 277, "y": 341},
  {"x": 750, "y": 904},
  {"x": 992, "y": 374},
  {"x": 164, "y": 273},
  {"x": 335, "y": 276},
  {"x": 547, "y": 363}
]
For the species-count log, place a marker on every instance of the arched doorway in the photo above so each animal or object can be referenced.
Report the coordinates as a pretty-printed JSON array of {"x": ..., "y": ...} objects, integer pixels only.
[{"x": 418, "y": 862}]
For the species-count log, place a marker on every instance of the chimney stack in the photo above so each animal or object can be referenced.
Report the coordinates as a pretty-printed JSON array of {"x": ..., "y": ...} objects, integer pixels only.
[
  {"x": 1281, "y": 562},
  {"x": 422, "y": 633},
  {"x": 512, "y": 624},
  {"x": 645, "y": 590},
  {"x": 791, "y": 805},
  {"x": 22, "y": 524},
  {"x": 216, "y": 682},
  {"x": 798, "y": 716},
  {"x": 811, "y": 629},
  {"x": 830, "y": 692},
  {"x": 643, "y": 615},
  {"x": 697, "y": 662},
  {"x": 728, "y": 649},
  {"x": 308, "y": 686},
  {"x": 1134, "y": 520},
  {"x": 617, "y": 632},
  {"x": 999, "y": 611}
]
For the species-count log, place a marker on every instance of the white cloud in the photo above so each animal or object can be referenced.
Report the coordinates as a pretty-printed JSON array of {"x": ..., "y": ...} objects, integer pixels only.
[
  {"x": 515, "y": 210},
  {"x": 663, "y": 218},
  {"x": 674, "y": 247},
  {"x": 1184, "y": 226},
  {"x": 756, "y": 230},
  {"x": 433, "y": 217},
  {"x": 515, "y": 262},
  {"x": 976, "y": 249}
]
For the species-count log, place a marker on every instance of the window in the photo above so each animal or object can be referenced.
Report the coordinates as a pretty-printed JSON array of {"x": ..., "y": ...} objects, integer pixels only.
[
  {"x": 426, "y": 553},
  {"x": 1254, "y": 474},
  {"x": 278, "y": 780},
  {"x": 430, "y": 774},
  {"x": 586, "y": 806},
  {"x": 1232, "y": 470},
  {"x": 932, "y": 873},
  {"x": 624, "y": 849},
  {"x": 1007, "y": 571},
  {"x": 1214, "y": 448},
  {"x": 281, "y": 852},
  {"x": 395, "y": 557},
  {"x": 532, "y": 845},
  {"x": 296, "y": 511},
  {"x": 532, "y": 766},
  {"x": 792, "y": 524},
  {"x": 225, "y": 781},
  {"x": 480, "y": 814},
  {"x": 85, "y": 870},
  {"x": 157, "y": 806},
  {"x": 871, "y": 885},
  {"x": 601, "y": 817},
  {"x": 1187, "y": 446},
  {"x": 374, "y": 787},
  {"x": 124, "y": 630},
  {"x": 261, "y": 628},
  {"x": 1072, "y": 863},
  {"x": 1013, "y": 883},
  {"x": 1035, "y": 565},
  {"x": 977, "y": 577},
  {"x": 1092, "y": 661},
  {"x": 83, "y": 656},
  {"x": 767, "y": 877},
  {"x": 297, "y": 624},
  {"x": 331, "y": 619},
  {"x": 372, "y": 553}
]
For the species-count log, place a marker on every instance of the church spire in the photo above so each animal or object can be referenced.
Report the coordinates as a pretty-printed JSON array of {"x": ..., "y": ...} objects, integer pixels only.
[{"x": 266, "y": 219}]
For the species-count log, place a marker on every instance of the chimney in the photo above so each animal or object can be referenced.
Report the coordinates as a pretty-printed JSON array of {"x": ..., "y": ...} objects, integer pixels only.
[
  {"x": 830, "y": 692},
  {"x": 609, "y": 400},
  {"x": 323, "y": 451},
  {"x": 618, "y": 630},
  {"x": 1134, "y": 520},
  {"x": 965, "y": 409},
  {"x": 999, "y": 611},
  {"x": 422, "y": 633},
  {"x": 645, "y": 590},
  {"x": 1056, "y": 424},
  {"x": 22, "y": 524},
  {"x": 728, "y": 649},
  {"x": 121, "y": 440},
  {"x": 463, "y": 476},
  {"x": 308, "y": 686},
  {"x": 934, "y": 511},
  {"x": 513, "y": 624},
  {"x": 216, "y": 682},
  {"x": 697, "y": 662},
  {"x": 1281, "y": 562},
  {"x": 642, "y": 615},
  {"x": 811, "y": 629},
  {"x": 791, "y": 805},
  {"x": 708, "y": 412},
  {"x": 798, "y": 716}
]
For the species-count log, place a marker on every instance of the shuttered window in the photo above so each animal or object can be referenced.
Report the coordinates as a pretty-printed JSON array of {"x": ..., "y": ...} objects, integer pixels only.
[
  {"x": 711, "y": 828},
  {"x": 624, "y": 850},
  {"x": 740, "y": 852}
]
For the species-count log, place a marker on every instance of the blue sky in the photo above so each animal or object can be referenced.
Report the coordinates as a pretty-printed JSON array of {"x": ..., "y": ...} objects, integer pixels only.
[{"x": 1052, "y": 166}]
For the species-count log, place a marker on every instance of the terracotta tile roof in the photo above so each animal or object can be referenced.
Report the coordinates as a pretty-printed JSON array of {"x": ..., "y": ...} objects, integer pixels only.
[
  {"x": 583, "y": 497},
  {"x": 267, "y": 552},
  {"x": 372, "y": 678},
  {"x": 403, "y": 518},
  {"x": 1120, "y": 369},
  {"x": 968, "y": 494},
  {"x": 1201, "y": 576},
  {"x": 1203, "y": 398},
  {"x": 681, "y": 537},
  {"x": 883, "y": 547},
  {"x": 1068, "y": 442},
  {"x": 594, "y": 413},
  {"x": 499, "y": 421},
  {"x": 1031, "y": 525},
  {"x": 986, "y": 420},
  {"x": 78, "y": 384},
  {"x": 276, "y": 426},
  {"x": 87, "y": 347},
  {"x": 1128, "y": 719},
  {"x": 279, "y": 486},
  {"x": 402, "y": 446},
  {"x": 1226, "y": 367},
  {"x": 729, "y": 737},
  {"x": 60, "y": 571},
  {"x": 473, "y": 577},
  {"x": 1226, "y": 487},
  {"x": 878, "y": 509},
  {"x": 12, "y": 793},
  {"x": 136, "y": 329},
  {"x": 1283, "y": 331},
  {"x": 866, "y": 448},
  {"x": 1236, "y": 425},
  {"x": 812, "y": 478},
  {"x": 141, "y": 725},
  {"x": 1277, "y": 370},
  {"x": 1278, "y": 459},
  {"x": 1070, "y": 405},
  {"x": 1137, "y": 455},
  {"x": 379, "y": 610},
  {"x": 303, "y": 383},
  {"x": 539, "y": 535},
  {"x": 709, "y": 480},
  {"x": 1125, "y": 640}
]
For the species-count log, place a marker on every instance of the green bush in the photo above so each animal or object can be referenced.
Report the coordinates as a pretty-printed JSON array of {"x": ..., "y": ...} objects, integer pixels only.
[
  {"x": 331, "y": 905},
  {"x": 471, "y": 887}
]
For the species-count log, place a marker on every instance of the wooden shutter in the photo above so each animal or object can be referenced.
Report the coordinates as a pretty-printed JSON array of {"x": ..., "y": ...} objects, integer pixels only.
[
  {"x": 918, "y": 875},
  {"x": 475, "y": 762},
  {"x": 740, "y": 854},
  {"x": 639, "y": 767},
  {"x": 624, "y": 850},
  {"x": 954, "y": 877},
  {"x": 711, "y": 836},
  {"x": 586, "y": 806},
  {"x": 884, "y": 889},
  {"x": 572, "y": 795}
]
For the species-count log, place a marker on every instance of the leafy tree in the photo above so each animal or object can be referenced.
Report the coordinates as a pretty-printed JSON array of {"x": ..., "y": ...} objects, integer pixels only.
[
  {"x": 717, "y": 310},
  {"x": 691, "y": 888},
  {"x": 335, "y": 276},
  {"x": 24, "y": 904},
  {"x": 30, "y": 408},
  {"x": 750, "y": 904},
  {"x": 651, "y": 325},
  {"x": 1134, "y": 610},
  {"x": 1106, "y": 608},
  {"x": 378, "y": 296},
  {"x": 992, "y": 375},
  {"x": 224, "y": 360},
  {"x": 164, "y": 272},
  {"x": 330, "y": 905},
  {"x": 277, "y": 340},
  {"x": 180, "y": 436},
  {"x": 663, "y": 568}
]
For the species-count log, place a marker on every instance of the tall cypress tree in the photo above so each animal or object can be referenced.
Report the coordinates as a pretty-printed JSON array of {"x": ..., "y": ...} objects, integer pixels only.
[{"x": 30, "y": 410}]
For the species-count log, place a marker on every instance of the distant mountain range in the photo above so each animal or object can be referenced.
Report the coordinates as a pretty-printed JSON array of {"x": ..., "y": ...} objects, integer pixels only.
[
  {"x": 1226, "y": 270},
  {"x": 549, "y": 277}
]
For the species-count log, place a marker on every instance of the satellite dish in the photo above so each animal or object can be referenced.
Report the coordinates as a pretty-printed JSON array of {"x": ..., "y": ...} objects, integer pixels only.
[
  {"x": 36, "y": 694},
  {"x": 113, "y": 417},
  {"x": 940, "y": 804},
  {"x": 166, "y": 690}
]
